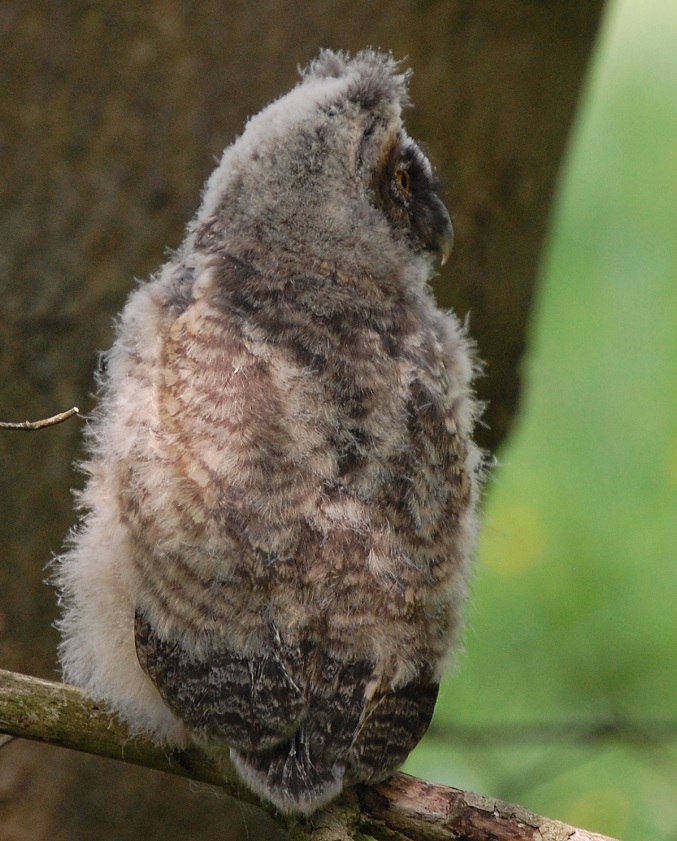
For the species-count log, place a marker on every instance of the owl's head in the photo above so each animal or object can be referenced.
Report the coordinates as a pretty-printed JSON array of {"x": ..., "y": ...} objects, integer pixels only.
[{"x": 328, "y": 174}]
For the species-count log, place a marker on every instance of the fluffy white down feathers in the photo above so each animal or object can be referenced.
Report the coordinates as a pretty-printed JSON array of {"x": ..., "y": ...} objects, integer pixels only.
[{"x": 279, "y": 514}]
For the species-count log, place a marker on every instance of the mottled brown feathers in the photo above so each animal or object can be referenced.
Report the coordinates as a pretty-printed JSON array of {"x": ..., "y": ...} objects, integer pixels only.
[{"x": 279, "y": 518}]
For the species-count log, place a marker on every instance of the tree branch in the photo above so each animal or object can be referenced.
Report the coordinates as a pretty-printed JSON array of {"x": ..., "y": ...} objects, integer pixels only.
[{"x": 403, "y": 808}]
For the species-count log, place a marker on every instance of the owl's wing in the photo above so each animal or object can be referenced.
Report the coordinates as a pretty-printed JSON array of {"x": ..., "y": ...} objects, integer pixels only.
[
  {"x": 393, "y": 724},
  {"x": 308, "y": 770},
  {"x": 252, "y": 703},
  {"x": 347, "y": 737}
]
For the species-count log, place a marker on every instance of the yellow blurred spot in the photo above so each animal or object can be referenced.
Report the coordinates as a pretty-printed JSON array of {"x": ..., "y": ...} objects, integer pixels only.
[
  {"x": 513, "y": 539},
  {"x": 604, "y": 810}
]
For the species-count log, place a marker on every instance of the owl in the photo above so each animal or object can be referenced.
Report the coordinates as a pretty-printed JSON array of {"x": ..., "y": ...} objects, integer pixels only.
[{"x": 280, "y": 509}]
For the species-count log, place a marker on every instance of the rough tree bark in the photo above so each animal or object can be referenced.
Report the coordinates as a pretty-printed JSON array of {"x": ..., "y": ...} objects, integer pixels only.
[{"x": 111, "y": 115}]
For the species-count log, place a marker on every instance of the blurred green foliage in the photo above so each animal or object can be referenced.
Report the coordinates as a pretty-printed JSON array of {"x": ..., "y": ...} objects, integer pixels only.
[{"x": 574, "y": 613}]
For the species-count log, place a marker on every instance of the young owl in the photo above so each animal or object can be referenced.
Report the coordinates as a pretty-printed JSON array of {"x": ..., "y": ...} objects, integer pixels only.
[{"x": 279, "y": 515}]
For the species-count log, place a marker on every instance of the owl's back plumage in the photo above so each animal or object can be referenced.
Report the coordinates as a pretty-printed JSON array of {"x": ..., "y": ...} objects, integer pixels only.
[{"x": 280, "y": 510}]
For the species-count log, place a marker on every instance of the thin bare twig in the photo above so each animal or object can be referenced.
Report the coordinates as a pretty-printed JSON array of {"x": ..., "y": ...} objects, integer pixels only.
[{"x": 30, "y": 426}]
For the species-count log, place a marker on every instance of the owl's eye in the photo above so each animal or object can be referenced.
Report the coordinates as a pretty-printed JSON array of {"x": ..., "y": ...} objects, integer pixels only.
[{"x": 403, "y": 181}]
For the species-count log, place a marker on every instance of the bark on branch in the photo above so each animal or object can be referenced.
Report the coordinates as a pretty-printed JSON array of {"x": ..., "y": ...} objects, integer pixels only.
[
  {"x": 403, "y": 808},
  {"x": 31, "y": 426}
]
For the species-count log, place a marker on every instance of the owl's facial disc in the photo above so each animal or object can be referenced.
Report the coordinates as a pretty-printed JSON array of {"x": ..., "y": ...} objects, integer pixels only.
[{"x": 406, "y": 190}]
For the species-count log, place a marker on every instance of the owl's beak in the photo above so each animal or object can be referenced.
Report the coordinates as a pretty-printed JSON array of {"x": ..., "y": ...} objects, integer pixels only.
[{"x": 442, "y": 234}]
